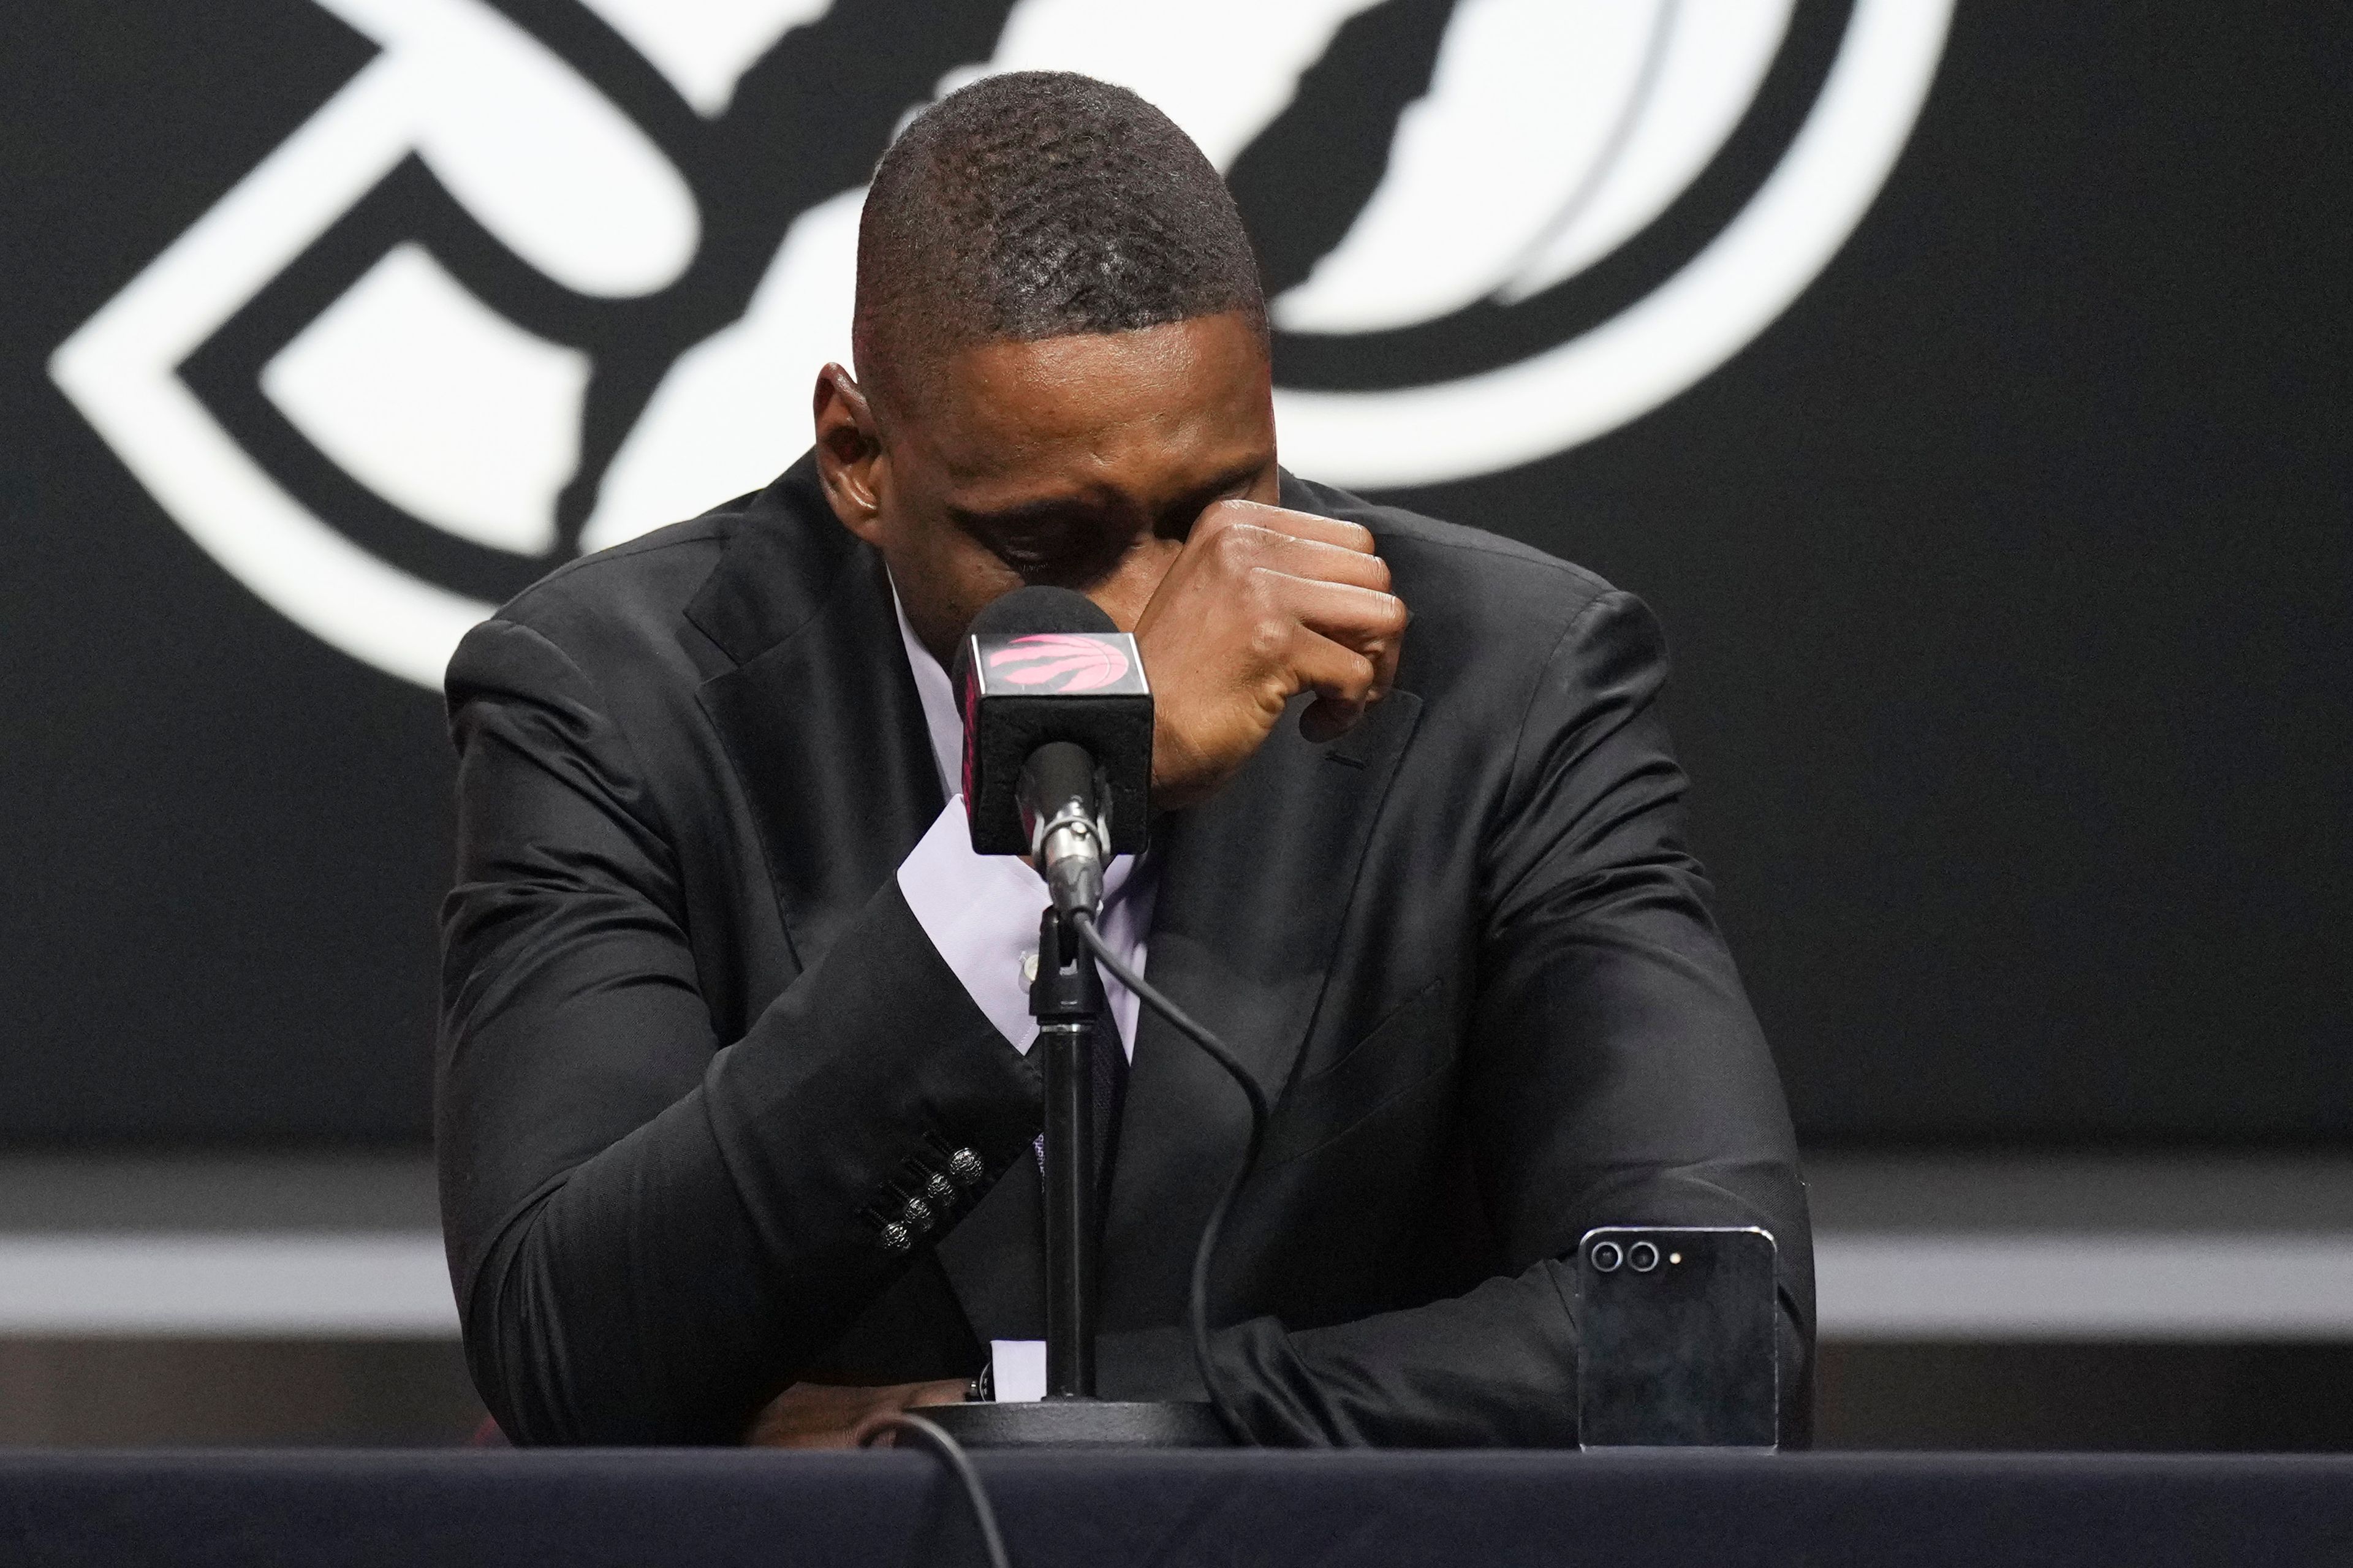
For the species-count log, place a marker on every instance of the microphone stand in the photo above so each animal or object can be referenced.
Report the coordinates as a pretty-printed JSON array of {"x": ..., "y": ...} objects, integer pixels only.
[{"x": 1067, "y": 1000}]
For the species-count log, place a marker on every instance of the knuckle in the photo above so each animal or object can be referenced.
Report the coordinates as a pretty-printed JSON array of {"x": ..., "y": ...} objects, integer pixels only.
[
  {"x": 1263, "y": 586},
  {"x": 1269, "y": 638}
]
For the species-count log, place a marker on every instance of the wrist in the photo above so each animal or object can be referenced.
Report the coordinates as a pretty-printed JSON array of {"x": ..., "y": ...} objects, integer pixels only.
[{"x": 1177, "y": 770}]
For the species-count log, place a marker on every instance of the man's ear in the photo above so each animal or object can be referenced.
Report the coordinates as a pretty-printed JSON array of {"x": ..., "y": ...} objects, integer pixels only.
[{"x": 849, "y": 453}]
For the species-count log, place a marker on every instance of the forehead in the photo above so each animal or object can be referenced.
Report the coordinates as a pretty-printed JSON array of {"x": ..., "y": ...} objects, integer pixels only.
[{"x": 1136, "y": 410}]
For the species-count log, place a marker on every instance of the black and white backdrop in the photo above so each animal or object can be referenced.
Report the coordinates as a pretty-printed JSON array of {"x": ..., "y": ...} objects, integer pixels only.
[{"x": 1967, "y": 386}]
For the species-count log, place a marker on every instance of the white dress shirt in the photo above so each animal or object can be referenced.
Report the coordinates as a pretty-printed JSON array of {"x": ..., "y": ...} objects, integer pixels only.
[{"x": 982, "y": 913}]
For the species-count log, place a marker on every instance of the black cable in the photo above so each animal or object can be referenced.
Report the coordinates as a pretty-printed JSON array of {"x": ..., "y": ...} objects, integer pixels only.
[
  {"x": 959, "y": 1464},
  {"x": 1197, "y": 1301}
]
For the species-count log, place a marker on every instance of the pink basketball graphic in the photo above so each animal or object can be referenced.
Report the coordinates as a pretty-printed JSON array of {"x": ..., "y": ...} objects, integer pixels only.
[{"x": 1060, "y": 661}]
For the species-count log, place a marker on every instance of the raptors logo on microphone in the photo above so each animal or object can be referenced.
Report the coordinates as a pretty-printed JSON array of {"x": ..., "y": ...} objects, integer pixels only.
[
  {"x": 548, "y": 273},
  {"x": 1060, "y": 661}
]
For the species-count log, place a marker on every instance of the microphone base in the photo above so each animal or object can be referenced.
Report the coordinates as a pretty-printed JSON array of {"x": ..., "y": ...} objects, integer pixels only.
[{"x": 1081, "y": 1424}]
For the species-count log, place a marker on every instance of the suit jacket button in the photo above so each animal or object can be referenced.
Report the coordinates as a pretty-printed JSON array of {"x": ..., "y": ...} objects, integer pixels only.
[
  {"x": 918, "y": 1214},
  {"x": 966, "y": 1168},
  {"x": 940, "y": 1191},
  {"x": 897, "y": 1238}
]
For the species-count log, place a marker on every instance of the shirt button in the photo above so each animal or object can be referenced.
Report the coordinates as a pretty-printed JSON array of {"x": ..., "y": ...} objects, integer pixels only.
[{"x": 1029, "y": 968}]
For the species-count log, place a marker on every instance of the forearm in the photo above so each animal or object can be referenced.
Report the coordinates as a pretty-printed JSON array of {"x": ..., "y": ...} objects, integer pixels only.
[
  {"x": 1494, "y": 1367},
  {"x": 664, "y": 1288}
]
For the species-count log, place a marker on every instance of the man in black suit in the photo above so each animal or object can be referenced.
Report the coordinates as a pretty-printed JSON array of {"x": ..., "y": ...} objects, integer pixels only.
[{"x": 734, "y": 1141}]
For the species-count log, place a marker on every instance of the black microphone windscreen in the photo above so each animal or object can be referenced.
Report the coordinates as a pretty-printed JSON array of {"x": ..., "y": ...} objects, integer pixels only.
[
  {"x": 1038, "y": 608},
  {"x": 1053, "y": 667},
  {"x": 1042, "y": 609}
]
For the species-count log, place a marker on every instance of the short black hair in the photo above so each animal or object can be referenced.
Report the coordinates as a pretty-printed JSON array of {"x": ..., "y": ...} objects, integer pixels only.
[{"x": 1037, "y": 204}]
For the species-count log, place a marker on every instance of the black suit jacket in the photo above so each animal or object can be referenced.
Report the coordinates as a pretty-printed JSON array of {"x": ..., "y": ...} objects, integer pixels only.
[{"x": 694, "y": 1044}]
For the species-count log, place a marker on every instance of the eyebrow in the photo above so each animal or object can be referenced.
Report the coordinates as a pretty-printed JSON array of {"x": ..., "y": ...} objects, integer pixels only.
[{"x": 1187, "y": 506}]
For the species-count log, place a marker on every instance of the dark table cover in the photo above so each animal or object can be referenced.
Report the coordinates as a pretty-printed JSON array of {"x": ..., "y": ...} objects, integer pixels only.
[{"x": 720, "y": 1508}]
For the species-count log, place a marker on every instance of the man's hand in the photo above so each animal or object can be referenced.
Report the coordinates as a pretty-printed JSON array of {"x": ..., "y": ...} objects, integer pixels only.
[
  {"x": 816, "y": 1416},
  {"x": 1263, "y": 603}
]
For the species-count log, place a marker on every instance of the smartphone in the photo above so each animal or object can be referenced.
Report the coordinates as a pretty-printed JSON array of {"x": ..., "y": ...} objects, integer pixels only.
[{"x": 1678, "y": 1344}]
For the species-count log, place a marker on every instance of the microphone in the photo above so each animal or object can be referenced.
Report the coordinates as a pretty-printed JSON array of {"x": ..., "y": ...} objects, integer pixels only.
[
  {"x": 1057, "y": 739},
  {"x": 1058, "y": 764}
]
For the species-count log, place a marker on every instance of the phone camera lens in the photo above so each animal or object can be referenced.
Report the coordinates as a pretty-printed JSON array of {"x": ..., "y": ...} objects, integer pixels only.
[
  {"x": 1642, "y": 1257},
  {"x": 1606, "y": 1256}
]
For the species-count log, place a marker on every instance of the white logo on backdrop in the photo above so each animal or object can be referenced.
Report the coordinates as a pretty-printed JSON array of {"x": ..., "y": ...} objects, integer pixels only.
[{"x": 1544, "y": 138}]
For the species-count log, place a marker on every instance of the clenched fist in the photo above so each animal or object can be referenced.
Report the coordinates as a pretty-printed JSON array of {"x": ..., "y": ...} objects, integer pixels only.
[{"x": 1261, "y": 605}]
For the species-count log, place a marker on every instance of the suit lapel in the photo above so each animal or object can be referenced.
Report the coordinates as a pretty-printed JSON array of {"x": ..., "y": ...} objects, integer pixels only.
[
  {"x": 819, "y": 716},
  {"x": 1253, "y": 888}
]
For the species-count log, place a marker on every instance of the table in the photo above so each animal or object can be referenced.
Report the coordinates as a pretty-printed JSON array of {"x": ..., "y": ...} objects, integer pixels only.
[{"x": 716, "y": 1510}]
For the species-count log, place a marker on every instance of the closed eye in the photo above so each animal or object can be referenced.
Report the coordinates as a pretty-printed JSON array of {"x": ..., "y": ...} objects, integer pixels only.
[
  {"x": 1056, "y": 543},
  {"x": 1069, "y": 542}
]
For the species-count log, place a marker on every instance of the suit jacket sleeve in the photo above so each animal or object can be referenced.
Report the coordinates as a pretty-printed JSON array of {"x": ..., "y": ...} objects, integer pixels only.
[
  {"x": 1615, "y": 1075},
  {"x": 651, "y": 1229}
]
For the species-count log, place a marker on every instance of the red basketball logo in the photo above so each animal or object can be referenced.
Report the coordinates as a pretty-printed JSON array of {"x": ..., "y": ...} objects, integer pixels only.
[{"x": 1060, "y": 661}]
